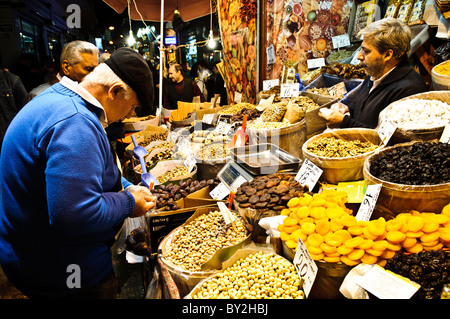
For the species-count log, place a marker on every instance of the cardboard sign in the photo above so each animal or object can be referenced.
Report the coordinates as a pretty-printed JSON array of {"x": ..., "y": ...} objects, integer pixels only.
[
  {"x": 368, "y": 203},
  {"x": 305, "y": 266},
  {"x": 309, "y": 174},
  {"x": 340, "y": 41}
]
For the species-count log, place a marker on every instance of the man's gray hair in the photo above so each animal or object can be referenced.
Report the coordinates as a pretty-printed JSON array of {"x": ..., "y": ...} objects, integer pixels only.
[
  {"x": 72, "y": 51},
  {"x": 389, "y": 33}
]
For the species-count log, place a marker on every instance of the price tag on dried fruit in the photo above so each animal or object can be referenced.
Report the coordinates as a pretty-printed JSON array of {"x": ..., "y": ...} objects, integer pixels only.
[
  {"x": 190, "y": 162},
  {"x": 268, "y": 84},
  {"x": 386, "y": 130},
  {"x": 219, "y": 192},
  {"x": 340, "y": 41},
  {"x": 445, "y": 137},
  {"x": 208, "y": 118},
  {"x": 309, "y": 174},
  {"x": 227, "y": 215},
  {"x": 368, "y": 202},
  {"x": 315, "y": 63},
  {"x": 270, "y": 54},
  {"x": 305, "y": 266},
  {"x": 289, "y": 90}
]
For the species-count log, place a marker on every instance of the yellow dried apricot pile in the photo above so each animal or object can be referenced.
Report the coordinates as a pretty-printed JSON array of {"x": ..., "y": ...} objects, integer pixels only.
[{"x": 331, "y": 233}]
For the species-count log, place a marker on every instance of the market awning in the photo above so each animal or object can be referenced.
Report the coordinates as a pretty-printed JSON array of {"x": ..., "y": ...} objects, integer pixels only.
[{"x": 151, "y": 10}]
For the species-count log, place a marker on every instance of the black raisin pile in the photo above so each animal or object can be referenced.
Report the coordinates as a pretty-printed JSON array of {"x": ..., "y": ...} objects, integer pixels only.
[
  {"x": 430, "y": 269},
  {"x": 424, "y": 163}
]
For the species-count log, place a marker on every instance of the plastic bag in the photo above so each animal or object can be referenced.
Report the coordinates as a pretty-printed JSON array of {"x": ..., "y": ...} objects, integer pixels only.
[{"x": 132, "y": 237}]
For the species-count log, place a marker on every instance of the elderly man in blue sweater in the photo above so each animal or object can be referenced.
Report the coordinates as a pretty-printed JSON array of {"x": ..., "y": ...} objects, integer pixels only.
[{"x": 62, "y": 195}]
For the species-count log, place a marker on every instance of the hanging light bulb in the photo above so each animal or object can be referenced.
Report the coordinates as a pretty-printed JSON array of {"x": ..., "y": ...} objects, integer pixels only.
[
  {"x": 131, "y": 41},
  {"x": 211, "y": 43}
]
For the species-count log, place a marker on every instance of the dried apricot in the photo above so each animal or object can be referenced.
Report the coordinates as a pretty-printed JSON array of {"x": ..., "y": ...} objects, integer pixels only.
[
  {"x": 322, "y": 227},
  {"x": 308, "y": 228},
  {"x": 344, "y": 234},
  {"x": 317, "y": 257},
  {"x": 302, "y": 212},
  {"x": 374, "y": 252},
  {"x": 394, "y": 247},
  {"x": 293, "y": 202},
  {"x": 334, "y": 259},
  {"x": 415, "y": 223},
  {"x": 382, "y": 262},
  {"x": 380, "y": 245},
  {"x": 291, "y": 244},
  {"x": 354, "y": 242},
  {"x": 315, "y": 240},
  {"x": 291, "y": 229},
  {"x": 430, "y": 227},
  {"x": 366, "y": 244},
  {"x": 335, "y": 224},
  {"x": 417, "y": 248},
  {"x": 333, "y": 240},
  {"x": 446, "y": 210},
  {"x": 327, "y": 249},
  {"x": 368, "y": 234},
  {"x": 333, "y": 213},
  {"x": 393, "y": 224},
  {"x": 395, "y": 237},
  {"x": 284, "y": 236},
  {"x": 296, "y": 234},
  {"x": 289, "y": 221},
  {"x": 285, "y": 212},
  {"x": 409, "y": 242},
  {"x": 377, "y": 227},
  {"x": 444, "y": 233},
  {"x": 355, "y": 230},
  {"x": 348, "y": 220},
  {"x": 369, "y": 259},
  {"x": 348, "y": 261},
  {"x": 356, "y": 254},
  {"x": 344, "y": 250},
  {"x": 388, "y": 254},
  {"x": 317, "y": 212},
  {"x": 429, "y": 237},
  {"x": 429, "y": 243},
  {"x": 306, "y": 200},
  {"x": 411, "y": 234},
  {"x": 314, "y": 250},
  {"x": 440, "y": 218}
]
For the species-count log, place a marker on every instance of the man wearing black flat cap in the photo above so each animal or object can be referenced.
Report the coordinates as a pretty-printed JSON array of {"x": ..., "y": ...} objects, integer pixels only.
[{"x": 59, "y": 219}]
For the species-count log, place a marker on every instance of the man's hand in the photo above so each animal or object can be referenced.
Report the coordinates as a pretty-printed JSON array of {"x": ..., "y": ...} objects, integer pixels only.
[
  {"x": 336, "y": 114},
  {"x": 144, "y": 200}
]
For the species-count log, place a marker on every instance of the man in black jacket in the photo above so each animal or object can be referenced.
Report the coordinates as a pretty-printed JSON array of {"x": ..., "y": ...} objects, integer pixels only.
[
  {"x": 179, "y": 88},
  {"x": 383, "y": 54}
]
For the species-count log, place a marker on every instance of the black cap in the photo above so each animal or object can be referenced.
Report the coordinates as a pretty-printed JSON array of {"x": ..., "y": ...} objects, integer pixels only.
[{"x": 132, "y": 69}]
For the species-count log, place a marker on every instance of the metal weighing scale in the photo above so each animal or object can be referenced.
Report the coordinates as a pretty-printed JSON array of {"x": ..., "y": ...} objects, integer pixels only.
[{"x": 232, "y": 175}]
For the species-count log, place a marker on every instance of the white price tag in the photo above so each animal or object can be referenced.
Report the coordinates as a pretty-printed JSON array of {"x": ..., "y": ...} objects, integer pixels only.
[
  {"x": 387, "y": 285},
  {"x": 340, "y": 41},
  {"x": 445, "y": 137},
  {"x": 270, "y": 54},
  {"x": 237, "y": 182},
  {"x": 289, "y": 90},
  {"x": 227, "y": 215},
  {"x": 268, "y": 84},
  {"x": 190, "y": 162},
  {"x": 368, "y": 203},
  {"x": 386, "y": 130},
  {"x": 208, "y": 118},
  {"x": 305, "y": 266},
  {"x": 315, "y": 63},
  {"x": 309, "y": 174},
  {"x": 237, "y": 97},
  {"x": 219, "y": 192},
  {"x": 338, "y": 89}
]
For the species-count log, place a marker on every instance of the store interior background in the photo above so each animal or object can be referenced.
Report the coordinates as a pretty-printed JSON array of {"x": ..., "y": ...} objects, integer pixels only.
[{"x": 36, "y": 31}]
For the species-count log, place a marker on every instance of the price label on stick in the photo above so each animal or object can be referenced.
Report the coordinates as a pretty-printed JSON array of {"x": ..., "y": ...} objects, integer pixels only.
[
  {"x": 340, "y": 41},
  {"x": 190, "y": 162},
  {"x": 227, "y": 215},
  {"x": 305, "y": 266},
  {"x": 386, "y": 130},
  {"x": 309, "y": 174},
  {"x": 445, "y": 137},
  {"x": 289, "y": 90},
  {"x": 368, "y": 203},
  {"x": 268, "y": 84},
  {"x": 219, "y": 192},
  {"x": 208, "y": 118}
]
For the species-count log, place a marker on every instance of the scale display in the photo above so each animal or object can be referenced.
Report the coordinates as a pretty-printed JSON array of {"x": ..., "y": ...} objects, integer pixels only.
[{"x": 231, "y": 174}]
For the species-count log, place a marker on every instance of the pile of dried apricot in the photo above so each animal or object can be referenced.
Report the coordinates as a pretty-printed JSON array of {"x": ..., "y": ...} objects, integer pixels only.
[{"x": 331, "y": 233}]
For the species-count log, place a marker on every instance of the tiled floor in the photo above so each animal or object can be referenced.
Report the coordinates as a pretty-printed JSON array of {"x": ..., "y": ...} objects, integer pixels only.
[{"x": 130, "y": 277}]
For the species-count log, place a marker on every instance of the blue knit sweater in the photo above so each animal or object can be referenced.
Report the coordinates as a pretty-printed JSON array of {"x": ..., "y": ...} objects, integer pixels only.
[{"x": 58, "y": 207}]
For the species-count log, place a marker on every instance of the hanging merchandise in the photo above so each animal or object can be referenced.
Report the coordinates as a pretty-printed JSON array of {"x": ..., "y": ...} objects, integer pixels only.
[
  {"x": 418, "y": 12},
  {"x": 238, "y": 27},
  {"x": 392, "y": 9},
  {"x": 303, "y": 30},
  {"x": 366, "y": 13},
  {"x": 405, "y": 10}
]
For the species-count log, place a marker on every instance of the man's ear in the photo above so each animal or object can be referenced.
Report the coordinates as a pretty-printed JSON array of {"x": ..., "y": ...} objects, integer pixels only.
[
  {"x": 388, "y": 55},
  {"x": 65, "y": 67},
  {"x": 114, "y": 90}
]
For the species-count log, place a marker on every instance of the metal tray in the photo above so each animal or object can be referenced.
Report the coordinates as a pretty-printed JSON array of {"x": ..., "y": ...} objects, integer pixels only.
[{"x": 262, "y": 159}]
